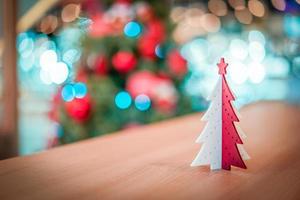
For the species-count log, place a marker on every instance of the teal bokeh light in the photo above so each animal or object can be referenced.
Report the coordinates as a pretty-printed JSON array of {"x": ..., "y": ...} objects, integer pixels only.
[
  {"x": 159, "y": 51},
  {"x": 80, "y": 90},
  {"x": 291, "y": 26},
  {"x": 123, "y": 100},
  {"x": 132, "y": 29},
  {"x": 68, "y": 93},
  {"x": 142, "y": 102}
]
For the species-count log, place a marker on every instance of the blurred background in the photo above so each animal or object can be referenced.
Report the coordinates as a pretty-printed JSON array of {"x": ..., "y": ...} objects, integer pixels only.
[{"x": 75, "y": 69}]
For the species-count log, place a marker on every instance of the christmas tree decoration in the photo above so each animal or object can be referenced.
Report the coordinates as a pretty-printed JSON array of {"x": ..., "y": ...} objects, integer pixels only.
[
  {"x": 124, "y": 61},
  {"x": 141, "y": 82},
  {"x": 79, "y": 109},
  {"x": 100, "y": 65},
  {"x": 156, "y": 30},
  {"x": 221, "y": 138},
  {"x": 176, "y": 63},
  {"x": 124, "y": 75},
  {"x": 147, "y": 46},
  {"x": 164, "y": 95}
]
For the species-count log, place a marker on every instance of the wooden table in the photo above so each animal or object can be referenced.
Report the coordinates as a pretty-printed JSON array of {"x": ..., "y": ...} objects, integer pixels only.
[{"x": 152, "y": 162}]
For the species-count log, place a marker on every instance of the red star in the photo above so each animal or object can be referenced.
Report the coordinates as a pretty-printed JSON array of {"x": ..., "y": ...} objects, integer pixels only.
[{"x": 222, "y": 66}]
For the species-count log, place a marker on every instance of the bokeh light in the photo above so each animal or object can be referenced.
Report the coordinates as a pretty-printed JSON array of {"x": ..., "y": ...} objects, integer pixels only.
[
  {"x": 237, "y": 4},
  {"x": 296, "y": 66},
  {"x": 142, "y": 102},
  {"x": 177, "y": 14},
  {"x": 196, "y": 50},
  {"x": 257, "y": 51},
  {"x": 279, "y": 4},
  {"x": 256, "y": 72},
  {"x": 210, "y": 22},
  {"x": 291, "y": 25},
  {"x": 68, "y": 93},
  {"x": 70, "y": 12},
  {"x": 47, "y": 45},
  {"x": 26, "y": 47},
  {"x": 45, "y": 77},
  {"x": 158, "y": 51},
  {"x": 123, "y": 100},
  {"x": 238, "y": 72},
  {"x": 132, "y": 29},
  {"x": 277, "y": 67},
  {"x": 48, "y": 24},
  {"x": 238, "y": 49},
  {"x": 80, "y": 90},
  {"x": 217, "y": 7},
  {"x": 27, "y": 63},
  {"x": 59, "y": 73},
  {"x": 193, "y": 18},
  {"x": 256, "y": 7},
  {"x": 256, "y": 36},
  {"x": 244, "y": 16},
  {"x": 48, "y": 59},
  {"x": 71, "y": 56}
]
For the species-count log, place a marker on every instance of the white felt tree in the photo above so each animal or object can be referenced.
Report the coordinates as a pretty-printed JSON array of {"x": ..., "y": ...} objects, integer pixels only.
[{"x": 211, "y": 136}]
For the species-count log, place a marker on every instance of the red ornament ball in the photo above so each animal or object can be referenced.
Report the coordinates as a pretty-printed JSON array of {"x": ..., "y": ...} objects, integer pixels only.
[
  {"x": 176, "y": 63},
  {"x": 146, "y": 46},
  {"x": 164, "y": 95},
  {"x": 100, "y": 66},
  {"x": 124, "y": 61},
  {"x": 79, "y": 109},
  {"x": 156, "y": 30},
  {"x": 153, "y": 36},
  {"x": 141, "y": 82},
  {"x": 123, "y": 1},
  {"x": 100, "y": 27}
]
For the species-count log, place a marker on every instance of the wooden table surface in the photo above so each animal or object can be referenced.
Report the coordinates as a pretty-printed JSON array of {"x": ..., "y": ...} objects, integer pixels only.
[{"x": 153, "y": 162}]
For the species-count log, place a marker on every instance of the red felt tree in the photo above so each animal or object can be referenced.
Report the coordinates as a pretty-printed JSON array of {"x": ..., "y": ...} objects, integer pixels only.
[
  {"x": 222, "y": 142},
  {"x": 230, "y": 136}
]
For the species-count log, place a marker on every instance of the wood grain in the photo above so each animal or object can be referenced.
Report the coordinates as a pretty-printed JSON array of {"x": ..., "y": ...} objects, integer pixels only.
[{"x": 152, "y": 162}]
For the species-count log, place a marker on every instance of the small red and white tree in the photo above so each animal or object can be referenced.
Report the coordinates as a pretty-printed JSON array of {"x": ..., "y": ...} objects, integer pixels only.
[{"x": 221, "y": 138}]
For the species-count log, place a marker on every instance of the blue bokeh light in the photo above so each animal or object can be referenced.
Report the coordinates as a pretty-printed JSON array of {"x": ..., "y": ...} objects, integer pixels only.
[
  {"x": 296, "y": 66},
  {"x": 257, "y": 36},
  {"x": 132, "y": 29},
  {"x": 142, "y": 102},
  {"x": 123, "y": 100},
  {"x": 26, "y": 47},
  {"x": 68, "y": 93},
  {"x": 71, "y": 56},
  {"x": 80, "y": 90},
  {"x": 196, "y": 50},
  {"x": 291, "y": 26},
  {"x": 158, "y": 51}
]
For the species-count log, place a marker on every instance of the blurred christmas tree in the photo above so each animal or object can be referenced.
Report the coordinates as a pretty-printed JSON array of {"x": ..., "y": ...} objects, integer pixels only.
[{"x": 130, "y": 72}]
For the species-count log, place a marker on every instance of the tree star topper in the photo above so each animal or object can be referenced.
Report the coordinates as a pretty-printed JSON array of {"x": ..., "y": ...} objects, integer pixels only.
[
  {"x": 221, "y": 137},
  {"x": 222, "y": 66}
]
